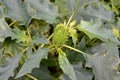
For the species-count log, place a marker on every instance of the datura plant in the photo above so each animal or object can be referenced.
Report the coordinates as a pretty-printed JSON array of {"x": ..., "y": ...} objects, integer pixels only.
[{"x": 59, "y": 40}]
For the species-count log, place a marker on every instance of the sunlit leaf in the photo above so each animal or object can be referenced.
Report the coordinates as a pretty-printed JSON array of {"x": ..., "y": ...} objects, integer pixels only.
[
  {"x": 72, "y": 23},
  {"x": 73, "y": 34},
  {"x": 115, "y": 2},
  {"x": 20, "y": 35},
  {"x": 116, "y": 32}
]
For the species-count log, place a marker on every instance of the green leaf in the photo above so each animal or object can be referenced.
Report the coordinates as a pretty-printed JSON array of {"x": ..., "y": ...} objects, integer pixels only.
[
  {"x": 62, "y": 10},
  {"x": 37, "y": 39},
  {"x": 7, "y": 69},
  {"x": 1, "y": 10},
  {"x": 73, "y": 34},
  {"x": 11, "y": 47},
  {"x": 95, "y": 29},
  {"x": 65, "y": 65},
  {"x": 115, "y": 32},
  {"x": 42, "y": 73},
  {"x": 71, "y": 3},
  {"x": 90, "y": 9},
  {"x": 115, "y": 2},
  {"x": 94, "y": 11},
  {"x": 75, "y": 58},
  {"x": 39, "y": 26},
  {"x": 104, "y": 62},
  {"x": 5, "y": 31},
  {"x": 0, "y": 54},
  {"x": 33, "y": 61},
  {"x": 72, "y": 24},
  {"x": 80, "y": 73},
  {"x": 42, "y": 9},
  {"x": 16, "y": 10},
  {"x": 20, "y": 35}
]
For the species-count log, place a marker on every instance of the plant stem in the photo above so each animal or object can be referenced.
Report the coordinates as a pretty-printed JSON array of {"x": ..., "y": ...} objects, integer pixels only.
[
  {"x": 12, "y": 23},
  {"x": 74, "y": 12},
  {"x": 24, "y": 50},
  {"x": 31, "y": 77},
  {"x": 29, "y": 35},
  {"x": 48, "y": 39},
  {"x": 74, "y": 49}
]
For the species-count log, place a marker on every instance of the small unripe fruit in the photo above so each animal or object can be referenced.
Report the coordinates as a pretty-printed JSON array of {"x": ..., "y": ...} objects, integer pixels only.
[{"x": 60, "y": 35}]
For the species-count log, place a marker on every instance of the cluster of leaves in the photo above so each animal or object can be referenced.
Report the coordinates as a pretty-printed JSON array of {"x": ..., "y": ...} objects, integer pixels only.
[{"x": 59, "y": 40}]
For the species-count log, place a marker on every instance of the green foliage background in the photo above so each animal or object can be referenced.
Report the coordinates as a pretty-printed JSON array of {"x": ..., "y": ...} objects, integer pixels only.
[{"x": 59, "y": 39}]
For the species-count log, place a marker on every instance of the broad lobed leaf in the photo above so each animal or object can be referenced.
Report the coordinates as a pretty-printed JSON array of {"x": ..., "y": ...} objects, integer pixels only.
[
  {"x": 42, "y": 73},
  {"x": 38, "y": 39},
  {"x": 104, "y": 62},
  {"x": 42, "y": 9},
  {"x": 5, "y": 31},
  {"x": 94, "y": 11},
  {"x": 33, "y": 61},
  {"x": 7, "y": 69},
  {"x": 11, "y": 47},
  {"x": 15, "y": 9},
  {"x": 39, "y": 16},
  {"x": 24, "y": 11},
  {"x": 95, "y": 29},
  {"x": 20, "y": 35},
  {"x": 65, "y": 65},
  {"x": 73, "y": 34},
  {"x": 80, "y": 73}
]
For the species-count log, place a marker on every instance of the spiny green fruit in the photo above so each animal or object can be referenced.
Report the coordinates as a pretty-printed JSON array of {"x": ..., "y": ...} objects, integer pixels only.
[{"x": 60, "y": 34}]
